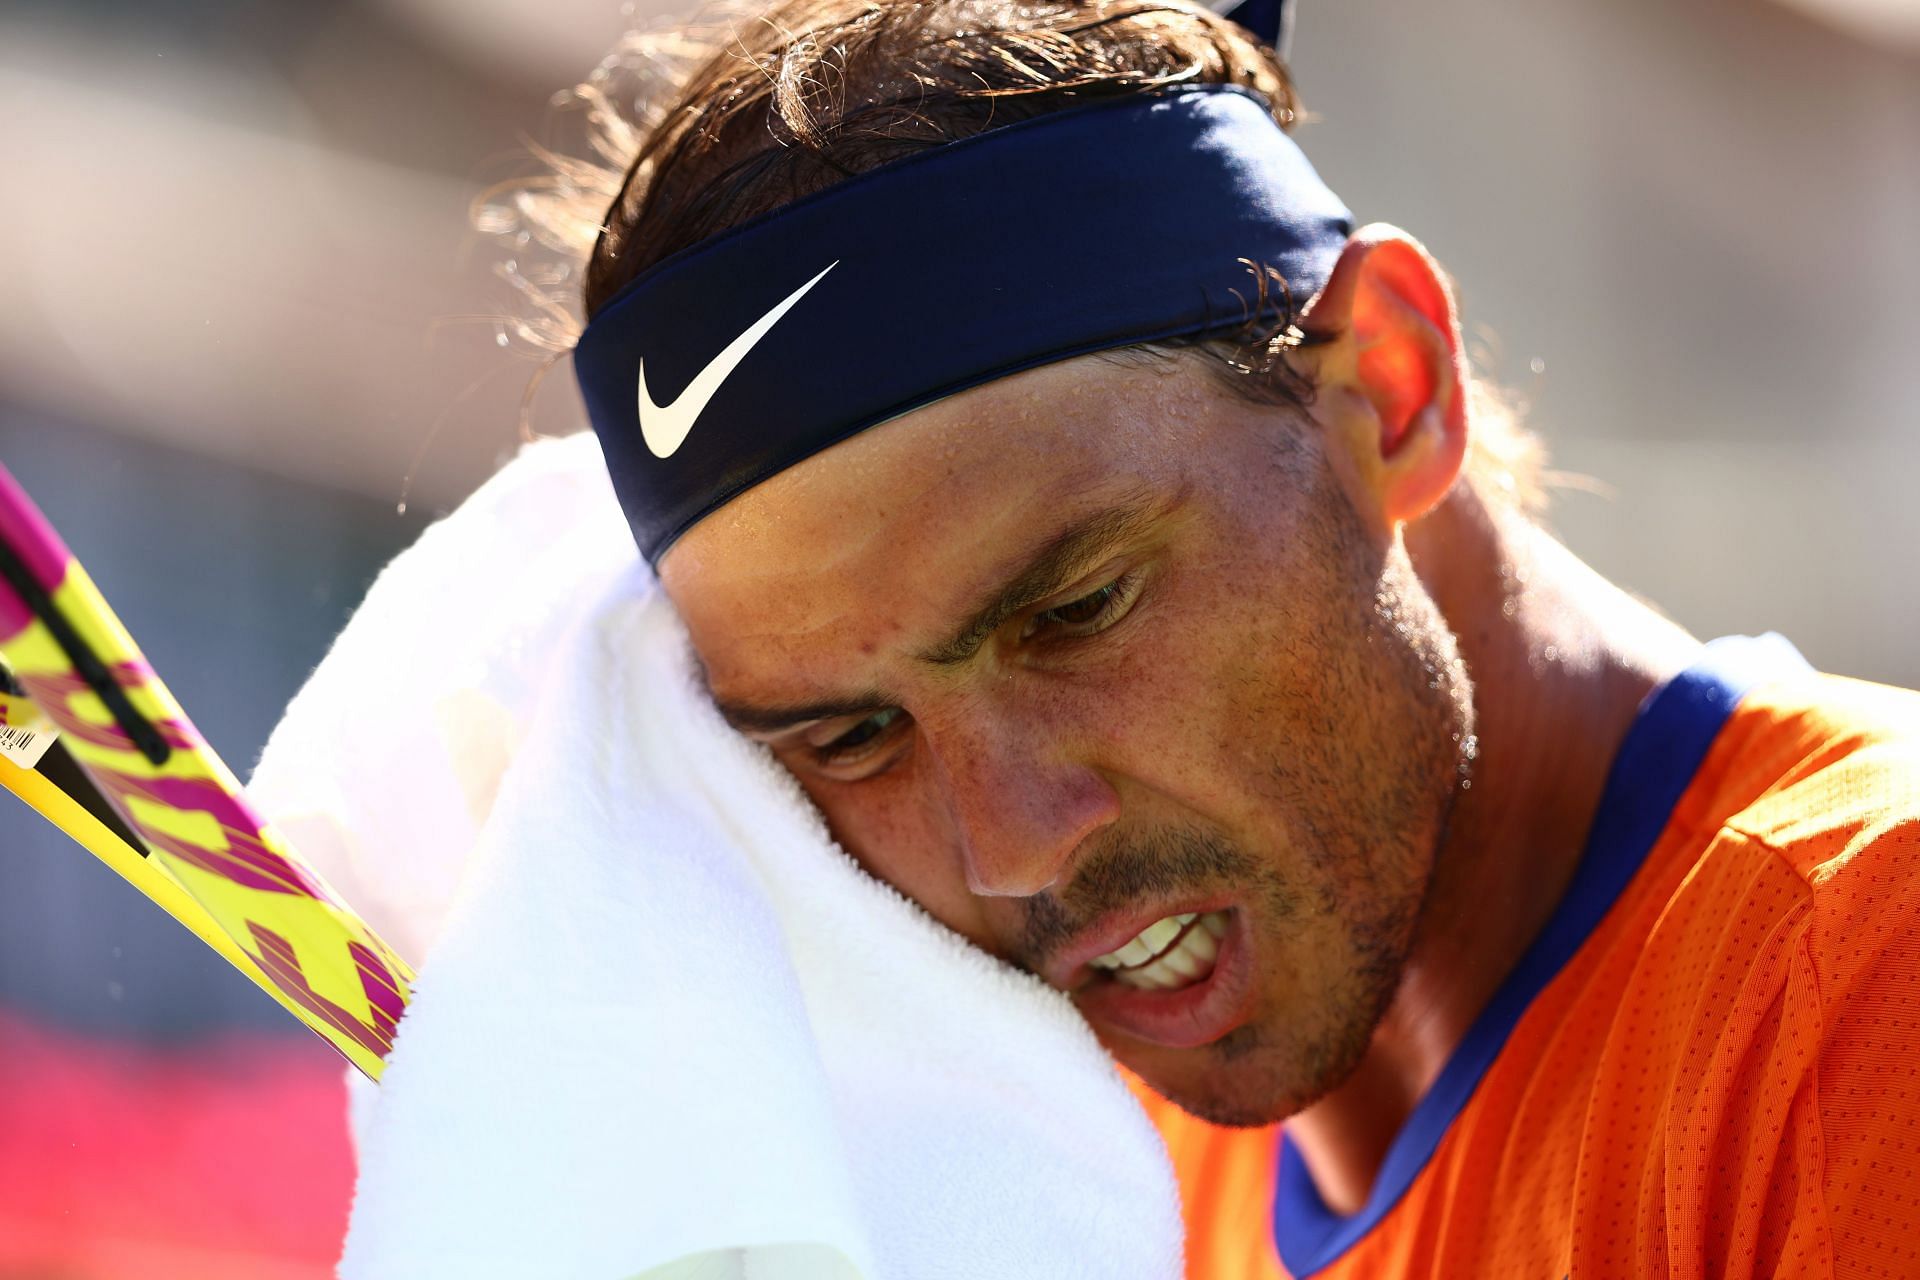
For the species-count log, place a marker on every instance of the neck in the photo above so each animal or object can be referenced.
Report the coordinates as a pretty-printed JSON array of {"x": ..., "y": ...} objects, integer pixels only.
[{"x": 1560, "y": 661}]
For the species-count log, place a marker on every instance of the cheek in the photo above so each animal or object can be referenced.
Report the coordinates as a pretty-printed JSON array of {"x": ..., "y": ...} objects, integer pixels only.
[
  {"x": 1273, "y": 698},
  {"x": 1225, "y": 675}
]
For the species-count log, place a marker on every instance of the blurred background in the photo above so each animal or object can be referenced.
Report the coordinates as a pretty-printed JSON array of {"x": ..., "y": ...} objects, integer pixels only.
[{"x": 244, "y": 321}]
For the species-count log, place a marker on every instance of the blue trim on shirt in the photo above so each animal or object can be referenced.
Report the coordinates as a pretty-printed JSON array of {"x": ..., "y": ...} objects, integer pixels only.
[{"x": 1661, "y": 752}]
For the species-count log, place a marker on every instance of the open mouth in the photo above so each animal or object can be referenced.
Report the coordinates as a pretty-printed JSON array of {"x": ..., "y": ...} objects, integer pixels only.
[
  {"x": 1172, "y": 952},
  {"x": 1185, "y": 980}
]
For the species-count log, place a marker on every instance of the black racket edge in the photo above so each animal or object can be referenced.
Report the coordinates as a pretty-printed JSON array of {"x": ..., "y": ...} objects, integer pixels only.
[{"x": 138, "y": 728}]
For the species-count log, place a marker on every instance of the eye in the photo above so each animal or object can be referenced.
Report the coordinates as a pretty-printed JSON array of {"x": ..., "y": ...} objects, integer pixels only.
[
  {"x": 861, "y": 740},
  {"x": 1091, "y": 613}
]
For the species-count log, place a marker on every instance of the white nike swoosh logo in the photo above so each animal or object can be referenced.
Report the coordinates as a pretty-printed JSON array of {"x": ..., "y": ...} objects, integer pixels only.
[{"x": 665, "y": 426}]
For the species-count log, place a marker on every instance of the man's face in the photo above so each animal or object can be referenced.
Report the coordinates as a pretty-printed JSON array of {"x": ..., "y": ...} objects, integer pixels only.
[{"x": 1095, "y": 647}]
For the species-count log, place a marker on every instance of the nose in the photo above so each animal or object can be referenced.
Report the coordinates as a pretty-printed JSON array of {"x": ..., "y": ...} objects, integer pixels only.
[{"x": 1020, "y": 803}]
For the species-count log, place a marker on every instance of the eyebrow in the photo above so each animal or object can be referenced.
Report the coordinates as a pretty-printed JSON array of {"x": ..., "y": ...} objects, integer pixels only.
[
  {"x": 1062, "y": 557},
  {"x": 751, "y": 718}
]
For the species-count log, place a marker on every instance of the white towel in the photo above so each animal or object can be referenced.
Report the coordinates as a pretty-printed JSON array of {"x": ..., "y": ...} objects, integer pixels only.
[{"x": 663, "y": 1026}]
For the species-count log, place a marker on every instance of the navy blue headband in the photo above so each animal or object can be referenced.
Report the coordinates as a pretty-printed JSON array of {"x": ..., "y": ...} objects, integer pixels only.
[
  {"x": 1270, "y": 20},
  {"x": 1101, "y": 226}
]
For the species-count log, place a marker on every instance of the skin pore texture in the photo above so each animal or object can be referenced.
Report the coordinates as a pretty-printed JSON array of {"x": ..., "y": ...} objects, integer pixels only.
[{"x": 1103, "y": 642}]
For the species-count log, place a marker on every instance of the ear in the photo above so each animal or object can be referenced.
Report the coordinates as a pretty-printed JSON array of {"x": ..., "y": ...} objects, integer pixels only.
[{"x": 1390, "y": 370}]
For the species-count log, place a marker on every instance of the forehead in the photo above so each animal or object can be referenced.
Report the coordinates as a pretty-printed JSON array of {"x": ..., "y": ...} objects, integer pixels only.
[{"x": 880, "y": 536}]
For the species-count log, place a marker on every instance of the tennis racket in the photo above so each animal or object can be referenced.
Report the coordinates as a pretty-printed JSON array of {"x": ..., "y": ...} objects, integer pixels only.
[{"x": 92, "y": 740}]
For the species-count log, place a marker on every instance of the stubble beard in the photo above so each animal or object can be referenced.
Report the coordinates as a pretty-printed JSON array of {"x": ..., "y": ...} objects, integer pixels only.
[
  {"x": 1370, "y": 815},
  {"x": 1374, "y": 877},
  {"x": 1277, "y": 1066},
  {"x": 1367, "y": 823}
]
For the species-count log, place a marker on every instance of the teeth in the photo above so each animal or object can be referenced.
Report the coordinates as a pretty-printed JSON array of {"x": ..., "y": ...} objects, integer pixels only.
[
  {"x": 1139, "y": 951},
  {"x": 1155, "y": 977},
  {"x": 1145, "y": 944},
  {"x": 1158, "y": 934},
  {"x": 1182, "y": 962},
  {"x": 1150, "y": 961}
]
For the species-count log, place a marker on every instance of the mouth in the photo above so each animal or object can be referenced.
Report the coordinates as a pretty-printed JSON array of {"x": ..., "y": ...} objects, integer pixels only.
[
  {"x": 1183, "y": 980},
  {"x": 1173, "y": 952}
]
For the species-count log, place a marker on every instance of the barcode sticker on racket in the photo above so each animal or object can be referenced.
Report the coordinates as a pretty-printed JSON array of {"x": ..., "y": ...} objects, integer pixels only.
[{"x": 25, "y": 746}]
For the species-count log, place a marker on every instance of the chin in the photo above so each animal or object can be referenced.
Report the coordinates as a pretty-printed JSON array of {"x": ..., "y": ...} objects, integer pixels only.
[{"x": 1250, "y": 1078}]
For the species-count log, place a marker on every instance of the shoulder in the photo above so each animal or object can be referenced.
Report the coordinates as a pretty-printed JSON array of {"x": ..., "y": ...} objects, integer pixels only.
[
  {"x": 1833, "y": 768},
  {"x": 1788, "y": 931},
  {"x": 1803, "y": 822},
  {"x": 1821, "y": 771},
  {"x": 1845, "y": 821},
  {"x": 1808, "y": 753},
  {"x": 1801, "y": 1065}
]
